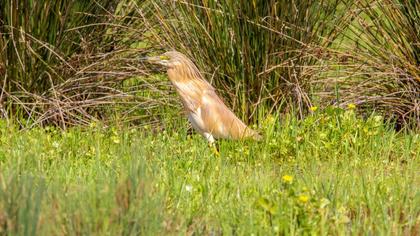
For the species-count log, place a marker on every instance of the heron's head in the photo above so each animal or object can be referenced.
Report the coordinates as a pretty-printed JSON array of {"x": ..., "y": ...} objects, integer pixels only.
[
  {"x": 168, "y": 59},
  {"x": 179, "y": 66}
]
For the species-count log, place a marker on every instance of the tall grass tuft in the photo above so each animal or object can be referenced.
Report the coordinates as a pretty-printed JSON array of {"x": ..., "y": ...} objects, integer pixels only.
[
  {"x": 37, "y": 36},
  {"x": 256, "y": 52},
  {"x": 384, "y": 43},
  {"x": 64, "y": 62}
]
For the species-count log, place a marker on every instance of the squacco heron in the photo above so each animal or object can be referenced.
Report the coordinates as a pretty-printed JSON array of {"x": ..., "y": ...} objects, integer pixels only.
[{"x": 206, "y": 112}]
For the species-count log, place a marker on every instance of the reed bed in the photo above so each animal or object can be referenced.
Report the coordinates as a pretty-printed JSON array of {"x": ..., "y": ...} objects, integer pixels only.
[{"x": 79, "y": 61}]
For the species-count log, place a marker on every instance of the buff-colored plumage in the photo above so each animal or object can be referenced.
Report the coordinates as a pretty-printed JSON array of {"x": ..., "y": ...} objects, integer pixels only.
[{"x": 205, "y": 110}]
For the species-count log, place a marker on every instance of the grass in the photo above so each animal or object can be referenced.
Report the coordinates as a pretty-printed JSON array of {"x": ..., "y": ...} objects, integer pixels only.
[{"x": 332, "y": 173}]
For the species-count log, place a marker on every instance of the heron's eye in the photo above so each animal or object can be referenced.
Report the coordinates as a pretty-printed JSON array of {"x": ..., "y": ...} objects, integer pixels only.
[{"x": 164, "y": 57}]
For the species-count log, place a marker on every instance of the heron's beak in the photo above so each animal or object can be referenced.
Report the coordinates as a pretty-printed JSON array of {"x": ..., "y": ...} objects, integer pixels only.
[{"x": 151, "y": 59}]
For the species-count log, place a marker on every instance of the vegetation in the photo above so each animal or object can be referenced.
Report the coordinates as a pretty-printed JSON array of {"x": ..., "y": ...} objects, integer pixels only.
[
  {"x": 331, "y": 173},
  {"x": 62, "y": 62},
  {"x": 91, "y": 141},
  {"x": 385, "y": 39},
  {"x": 79, "y": 61},
  {"x": 260, "y": 54}
]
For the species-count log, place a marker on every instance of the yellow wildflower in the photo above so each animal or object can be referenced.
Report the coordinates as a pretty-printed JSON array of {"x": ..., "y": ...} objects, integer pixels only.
[
  {"x": 313, "y": 109},
  {"x": 115, "y": 139},
  {"x": 303, "y": 198},
  {"x": 378, "y": 119},
  {"x": 287, "y": 179},
  {"x": 93, "y": 125},
  {"x": 269, "y": 120},
  {"x": 351, "y": 106}
]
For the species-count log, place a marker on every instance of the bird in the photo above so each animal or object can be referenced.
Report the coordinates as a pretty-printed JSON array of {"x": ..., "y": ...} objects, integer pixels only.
[{"x": 205, "y": 110}]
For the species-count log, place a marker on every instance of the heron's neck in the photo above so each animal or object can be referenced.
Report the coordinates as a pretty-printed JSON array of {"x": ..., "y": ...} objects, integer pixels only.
[
  {"x": 184, "y": 81},
  {"x": 190, "y": 86},
  {"x": 183, "y": 74}
]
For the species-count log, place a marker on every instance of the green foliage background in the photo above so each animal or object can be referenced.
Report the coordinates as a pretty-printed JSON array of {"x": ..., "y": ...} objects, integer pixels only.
[
  {"x": 92, "y": 141},
  {"x": 331, "y": 173},
  {"x": 65, "y": 62}
]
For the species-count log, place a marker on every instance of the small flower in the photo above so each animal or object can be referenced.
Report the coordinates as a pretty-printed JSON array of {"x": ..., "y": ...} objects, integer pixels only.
[
  {"x": 188, "y": 188},
  {"x": 366, "y": 129},
  {"x": 93, "y": 125},
  {"x": 323, "y": 203},
  {"x": 56, "y": 144},
  {"x": 287, "y": 179},
  {"x": 303, "y": 198},
  {"x": 378, "y": 119},
  {"x": 269, "y": 120},
  {"x": 313, "y": 109},
  {"x": 115, "y": 139},
  {"x": 351, "y": 106}
]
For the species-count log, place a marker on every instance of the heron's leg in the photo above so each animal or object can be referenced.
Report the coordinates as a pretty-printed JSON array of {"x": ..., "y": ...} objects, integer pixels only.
[
  {"x": 212, "y": 143},
  {"x": 209, "y": 137}
]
